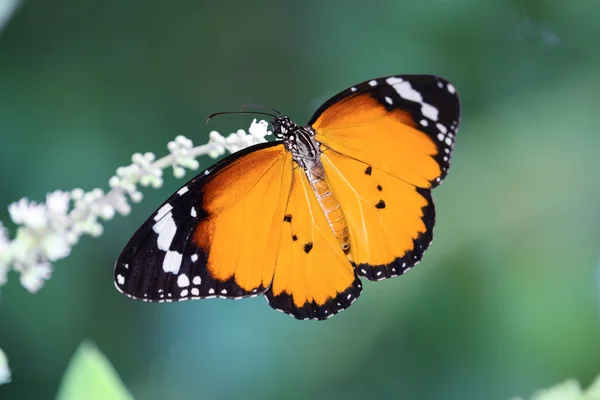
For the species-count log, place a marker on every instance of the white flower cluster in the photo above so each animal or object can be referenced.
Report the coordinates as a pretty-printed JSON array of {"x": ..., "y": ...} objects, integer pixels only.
[
  {"x": 238, "y": 140},
  {"x": 47, "y": 231},
  {"x": 4, "y": 370}
]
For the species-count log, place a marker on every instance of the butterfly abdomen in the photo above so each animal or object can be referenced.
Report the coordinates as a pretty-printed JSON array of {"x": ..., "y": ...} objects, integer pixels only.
[{"x": 329, "y": 204}]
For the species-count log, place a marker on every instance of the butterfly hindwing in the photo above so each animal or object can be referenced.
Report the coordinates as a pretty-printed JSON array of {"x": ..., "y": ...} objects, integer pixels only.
[
  {"x": 390, "y": 221},
  {"x": 215, "y": 237},
  {"x": 313, "y": 277},
  {"x": 405, "y": 125}
]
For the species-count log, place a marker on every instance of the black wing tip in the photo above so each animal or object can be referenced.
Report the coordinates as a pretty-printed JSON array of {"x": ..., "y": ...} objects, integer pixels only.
[{"x": 311, "y": 311}]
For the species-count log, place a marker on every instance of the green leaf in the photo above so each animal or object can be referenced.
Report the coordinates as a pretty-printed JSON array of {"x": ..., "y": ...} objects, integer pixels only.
[
  {"x": 568, "y": 390},
  {"x": 593, "y": 392},
  {"x": 90, "y": 376}
]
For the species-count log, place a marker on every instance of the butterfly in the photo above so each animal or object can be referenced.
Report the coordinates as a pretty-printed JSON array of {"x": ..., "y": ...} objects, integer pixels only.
[{"x": 300, "y": 219}]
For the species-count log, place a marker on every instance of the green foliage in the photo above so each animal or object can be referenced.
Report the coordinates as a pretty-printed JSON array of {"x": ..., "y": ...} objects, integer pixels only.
[
  {"x": 90, "y": 376},
  {"x": 568, "y": 390}
]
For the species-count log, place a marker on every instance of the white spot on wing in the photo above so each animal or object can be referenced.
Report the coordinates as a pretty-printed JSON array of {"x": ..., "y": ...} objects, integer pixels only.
[
  {"x": 424, "y": 122},
  {"x": 448, "y": 141},
  {"x": 172, "y": 262},
  {"x": 406, "y": 91},
  {"x": 183, "y": 191},
  {"x": 388, "y": 100},
  {"x": 120, "y": 279},
  {"x": 194, "y": 257},
  {"x": 166, "y": 229},
  {"x": 184, "y": 293},
  {"x": 394, "y": 80},
  {"x": 429, "y": 111},
  {"x": 224, "y": 291},
  {"x": 195, "y": 292},
  {"x": 183, "y": 281},
  {"x": 193, "y": 212},
  {"x": 373, "y": 82},
  {"x": 353, "y": 89},
  {"x": 451, "y": 88},
  {"x": 162, "y": 211},
  {"x": 441, "y": 137},
  {"x": 442, "y": 128},
  {"x": 211, "y": 291},
  {"x": 196, "y": 281}
]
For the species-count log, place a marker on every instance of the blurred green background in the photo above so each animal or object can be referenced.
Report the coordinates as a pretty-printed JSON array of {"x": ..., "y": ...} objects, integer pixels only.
[{"x": 506, "y": 299}]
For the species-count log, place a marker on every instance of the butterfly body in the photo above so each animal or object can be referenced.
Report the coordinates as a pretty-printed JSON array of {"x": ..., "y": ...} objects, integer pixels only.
[
  {"x": 300, "y": 219},
  {"x": 300, "y": 142}
]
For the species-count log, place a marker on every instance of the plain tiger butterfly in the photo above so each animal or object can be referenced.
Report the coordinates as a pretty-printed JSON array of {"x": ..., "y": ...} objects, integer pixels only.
[{"x": 299, "y": 220}]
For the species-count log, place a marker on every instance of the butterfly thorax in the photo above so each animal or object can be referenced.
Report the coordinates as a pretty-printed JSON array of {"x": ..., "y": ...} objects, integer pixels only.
[{"x": 300, "y": 141}]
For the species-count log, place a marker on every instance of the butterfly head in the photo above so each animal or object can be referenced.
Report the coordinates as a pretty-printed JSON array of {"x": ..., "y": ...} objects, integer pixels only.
[{"x": 282, "y": 126}]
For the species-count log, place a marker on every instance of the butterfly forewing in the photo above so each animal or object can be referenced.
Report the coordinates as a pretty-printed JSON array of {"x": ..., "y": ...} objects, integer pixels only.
[
  {"x": 215, "y": 237},
  {"x": 406, "y": 125}
]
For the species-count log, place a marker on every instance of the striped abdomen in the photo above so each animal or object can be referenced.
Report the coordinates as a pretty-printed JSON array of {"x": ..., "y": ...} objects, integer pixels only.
[{"x": 329, "y": 204}]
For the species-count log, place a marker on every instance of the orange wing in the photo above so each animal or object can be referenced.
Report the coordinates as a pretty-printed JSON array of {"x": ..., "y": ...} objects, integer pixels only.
[
  {"x": 217, "y": 236},
  {"x": 313, "y": 277},
  {"x": 390, "y": 221},
  {"x": 385, "y": 144},
  {"x": 404, "y": 125}
]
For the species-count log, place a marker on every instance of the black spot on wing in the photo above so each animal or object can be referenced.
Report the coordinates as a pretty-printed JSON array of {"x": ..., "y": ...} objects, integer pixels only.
[
  {"x": 294, "y": 238},
  {"x": 308, "y": 247},
  {"x": 287, "y": 218},
  {"x": 380, "y": 204},
  {"x": 379, "y": 188},
  {"x": 369, "y": 170}
]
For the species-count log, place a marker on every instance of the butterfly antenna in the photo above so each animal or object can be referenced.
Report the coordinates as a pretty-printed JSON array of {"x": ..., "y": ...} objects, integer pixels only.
[
  {"x": 259, "y": 107},
  {"x": 238, "y": 112}
]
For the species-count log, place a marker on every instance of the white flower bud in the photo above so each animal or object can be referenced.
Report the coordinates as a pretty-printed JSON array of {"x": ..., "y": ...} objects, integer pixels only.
[
  {"x": 150, "y": 157},
  {"x": 136, "y": 197},
  {"x": 137, "y": 158},
  {"x": 55, "y": 247},
  {"x": 107, "y": 212},
  {"x": 113, "y": 182},
  {"x": 77, "y": 194},
  {"x": 32, "y": 277},
  {"x": 4, "y": 370},
  {"x": 178, "y": 172}
]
